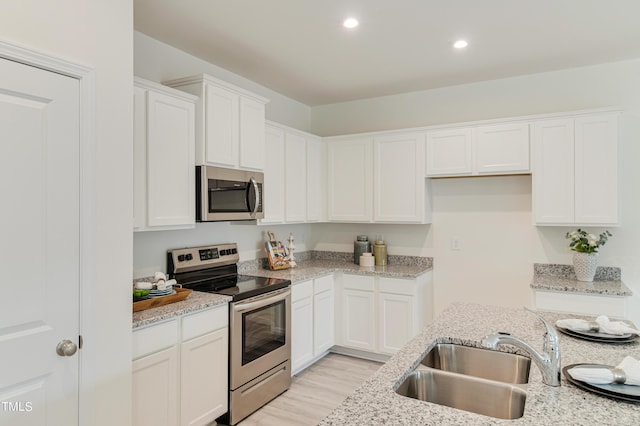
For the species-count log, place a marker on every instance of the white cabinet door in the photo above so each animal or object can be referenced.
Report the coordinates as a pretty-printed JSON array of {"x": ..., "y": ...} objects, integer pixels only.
[
  {"x": 399, "y": 182},
  {"x": 203, "y": 378},
  {"x": 553, "y": 173},
  {"x": 449, "y": 152},
  {"x": 170, "y": 161},
  {"x": 396, "y": 317},
  {"x": 350, "y": 188},
  {"x": 222, "y": 126},
  {"x": 575, "y": 177},
  {"x": 155, "y": 389},
  {"x": 596, "y": 170},
  {"x": 501, "y": 149},
  {"x": 251, "y": 133},
  {"x": 274, "y": 171},
  {"x": 301, "y": 325},
  {"x": 359, "y": 312},
  {"x": 295, "y": 178},
  {"x": 323, "y": 315},
  {"x": 316, "y": 180}
]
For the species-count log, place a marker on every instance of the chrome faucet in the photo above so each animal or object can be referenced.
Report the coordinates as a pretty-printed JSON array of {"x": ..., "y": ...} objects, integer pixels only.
[{"x": 548, "y": 362}]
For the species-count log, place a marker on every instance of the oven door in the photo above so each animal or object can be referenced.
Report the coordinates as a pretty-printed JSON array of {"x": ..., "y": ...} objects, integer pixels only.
[{"x": 260, "y": 330}]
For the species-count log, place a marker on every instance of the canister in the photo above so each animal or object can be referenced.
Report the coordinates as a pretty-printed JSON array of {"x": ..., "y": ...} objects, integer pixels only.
[
  {"x": 380, "y": 253},
  {"x": 360, "y": 245}
]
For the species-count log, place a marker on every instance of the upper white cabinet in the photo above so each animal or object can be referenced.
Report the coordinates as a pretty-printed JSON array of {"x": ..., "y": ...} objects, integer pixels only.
[
  {"x": 294, "y": 175},
  {"x": 399, "y": 187},
  {"x": 575, "y": 175},
  {"x": 350, "y": 179},
  {"x": 481, "y": 150},
  {"x": 230, "y": 123},
  {"x": 378, "y": 179},
  {"x": 164, "y": 165},
  {"x": 274, "y": 175},
  {"x": 295, "y": 153}
]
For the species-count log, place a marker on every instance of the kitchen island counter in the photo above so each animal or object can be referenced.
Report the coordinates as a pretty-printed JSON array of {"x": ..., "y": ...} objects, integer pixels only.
[{"x": 375, "y": 402}]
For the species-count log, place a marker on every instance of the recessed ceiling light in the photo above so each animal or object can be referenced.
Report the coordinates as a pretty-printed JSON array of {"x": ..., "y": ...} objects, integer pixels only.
[
  {"x": 460, "y": 44},
  {"x": 350, "y": 23}
]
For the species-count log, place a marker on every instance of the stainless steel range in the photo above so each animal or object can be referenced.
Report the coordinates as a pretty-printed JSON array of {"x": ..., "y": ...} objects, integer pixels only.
[{"x": 259, "y": 323}]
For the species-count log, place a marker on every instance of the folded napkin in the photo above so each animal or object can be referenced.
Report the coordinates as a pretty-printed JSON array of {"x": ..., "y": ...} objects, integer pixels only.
[
  {"x": 627, "y": 372},
  {"x": 602, "y": 324}
]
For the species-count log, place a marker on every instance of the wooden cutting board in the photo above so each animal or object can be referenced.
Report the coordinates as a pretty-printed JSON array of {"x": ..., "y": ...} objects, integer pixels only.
[{"x": 154, "y": 302}]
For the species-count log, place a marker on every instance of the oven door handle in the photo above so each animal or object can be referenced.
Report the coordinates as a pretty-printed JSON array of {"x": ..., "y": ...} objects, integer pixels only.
[{"x": 240, "y": 307}]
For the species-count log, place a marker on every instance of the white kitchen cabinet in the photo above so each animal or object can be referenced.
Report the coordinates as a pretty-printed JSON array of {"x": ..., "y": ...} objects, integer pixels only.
[
  {"x": 478, "y": 150},
  {"x": 164, "y": 165},
  {"x": 316, "y": 180},
  {"x": 155, "y": 389},
  {"x": 295, "y": 178},
  {"x": 301, "y": 325},
  {"x": 359, "y": 312},
  {"x": 323, "y": 314},
  {"x": 274, "y": 176},
  {"x": 575, "y": 176},
  {"x": 399, "y": 186},
  {"x": 449, "y": 152},
  {"x": 583, "y": 304},
  {"x": 380, "y": 314},
  {"x": 501, "y": 149},
  {"x": 230, "y": 123},
  {"x": 350, "y": 179},
  {"x": 180, "y": 369}
]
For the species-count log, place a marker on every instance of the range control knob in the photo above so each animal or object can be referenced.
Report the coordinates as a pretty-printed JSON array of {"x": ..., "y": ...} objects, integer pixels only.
[
  {"x": 188, "y": 256},
  {"x": 181, "y": 258}
]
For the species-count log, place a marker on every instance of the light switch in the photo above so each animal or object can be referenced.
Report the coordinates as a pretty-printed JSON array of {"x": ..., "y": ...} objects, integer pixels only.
[{"x": 455, "y": 243}]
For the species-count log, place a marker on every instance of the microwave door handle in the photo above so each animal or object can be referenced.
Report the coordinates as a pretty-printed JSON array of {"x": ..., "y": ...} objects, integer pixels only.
[{"x": 257, "y": 198}]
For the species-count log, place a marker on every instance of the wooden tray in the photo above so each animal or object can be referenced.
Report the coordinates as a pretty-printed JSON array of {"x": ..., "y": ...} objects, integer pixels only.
[{"x": 181, "y": 294}]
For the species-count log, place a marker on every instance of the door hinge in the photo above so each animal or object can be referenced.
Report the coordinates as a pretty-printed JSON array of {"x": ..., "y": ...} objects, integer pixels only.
[{"x": 80, "y": 342}]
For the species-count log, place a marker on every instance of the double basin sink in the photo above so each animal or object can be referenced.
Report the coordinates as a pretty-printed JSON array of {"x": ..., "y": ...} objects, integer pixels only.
[{"x": 478, "y": 380}]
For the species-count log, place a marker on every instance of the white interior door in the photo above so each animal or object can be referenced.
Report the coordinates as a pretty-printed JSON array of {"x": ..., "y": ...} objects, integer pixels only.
[{"x": 39, "y": 247}]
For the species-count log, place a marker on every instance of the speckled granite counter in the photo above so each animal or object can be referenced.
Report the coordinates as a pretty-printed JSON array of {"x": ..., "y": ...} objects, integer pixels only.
[
  {"x": 318, "y": 264},
  {"x": 376, "y": 403},
  {"x": 194, "y": 302},
  {"x": 561, "y": 278}
]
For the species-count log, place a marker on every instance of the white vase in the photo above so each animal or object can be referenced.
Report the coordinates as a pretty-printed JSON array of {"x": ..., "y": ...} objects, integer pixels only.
[{"x": 584, "y": 265}]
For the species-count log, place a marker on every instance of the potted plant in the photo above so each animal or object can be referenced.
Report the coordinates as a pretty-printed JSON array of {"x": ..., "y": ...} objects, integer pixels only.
[{"x": 585, "y": 246}]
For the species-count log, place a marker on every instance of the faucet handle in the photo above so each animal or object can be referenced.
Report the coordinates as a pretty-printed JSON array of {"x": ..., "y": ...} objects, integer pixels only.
[{"x": 551, "y": 331}]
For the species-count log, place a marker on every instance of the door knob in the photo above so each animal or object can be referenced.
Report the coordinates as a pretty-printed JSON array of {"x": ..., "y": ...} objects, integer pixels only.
[{"x": 66, "y": 348}]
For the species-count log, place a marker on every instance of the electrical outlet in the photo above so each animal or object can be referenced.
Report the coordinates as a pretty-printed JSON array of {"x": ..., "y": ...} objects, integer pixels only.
[{"x": 455, "y": 243}]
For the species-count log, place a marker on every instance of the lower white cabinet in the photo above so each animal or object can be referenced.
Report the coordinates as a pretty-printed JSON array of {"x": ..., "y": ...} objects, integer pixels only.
[
  {"x": 381, "y": 314},
  {"x": 155, "y": 389},
  {"x": 312, "y": 321},
  {"x": 584, "y": 304},
  {"x": 180, "y": 370}
]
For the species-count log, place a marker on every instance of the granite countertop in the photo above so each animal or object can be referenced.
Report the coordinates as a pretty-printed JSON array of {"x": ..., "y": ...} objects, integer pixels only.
[
  {"x": 376, "y": 403},
  {"x": 561, "y": 278},
  {"x": 313, "y": 268},
  {"x": 194, "y": 302}
]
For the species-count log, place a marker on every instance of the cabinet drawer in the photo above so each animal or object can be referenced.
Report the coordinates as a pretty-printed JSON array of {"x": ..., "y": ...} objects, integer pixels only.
[
  {"x": 154, "y": 338},
  {"x": 301, "y": 290},
  {"x": 204, "y": 322},
  {"x": 359, "y": 282},
  {"x": 397, "y": 286},
  {"x": 323, "y": 284}
]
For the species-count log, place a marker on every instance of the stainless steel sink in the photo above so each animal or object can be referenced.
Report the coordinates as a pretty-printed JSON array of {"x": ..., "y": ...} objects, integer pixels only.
[
  {"x": 485, "y": 363},
  {"x": 481, "y": 396}
]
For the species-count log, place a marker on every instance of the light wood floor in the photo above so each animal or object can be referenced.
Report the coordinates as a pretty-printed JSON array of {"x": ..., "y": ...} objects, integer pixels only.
[{"x": 314, "y": 392}]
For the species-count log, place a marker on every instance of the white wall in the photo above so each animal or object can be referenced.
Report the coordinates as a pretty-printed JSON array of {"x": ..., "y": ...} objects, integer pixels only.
[
  {"x": 492, "y": 216},
  {"x": 157, "y": 61},
  {"x": 97, "y": 34}
]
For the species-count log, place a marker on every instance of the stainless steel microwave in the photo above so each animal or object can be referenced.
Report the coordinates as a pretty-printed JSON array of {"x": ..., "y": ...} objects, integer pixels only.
[{"x": 228, "y": 194}]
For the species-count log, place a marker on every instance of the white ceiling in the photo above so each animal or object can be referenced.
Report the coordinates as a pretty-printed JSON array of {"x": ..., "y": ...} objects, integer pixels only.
[{"x": 299, "y": 48}]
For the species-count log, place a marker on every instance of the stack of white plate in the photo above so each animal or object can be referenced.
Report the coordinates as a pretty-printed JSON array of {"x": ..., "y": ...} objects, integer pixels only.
[{"x": 166, "y": 292}]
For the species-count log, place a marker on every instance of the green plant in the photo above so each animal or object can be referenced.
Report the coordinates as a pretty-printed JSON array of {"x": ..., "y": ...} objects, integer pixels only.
[{"x": 583, "y": 242}]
